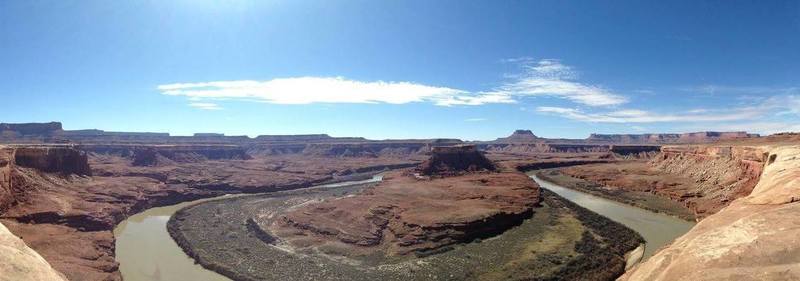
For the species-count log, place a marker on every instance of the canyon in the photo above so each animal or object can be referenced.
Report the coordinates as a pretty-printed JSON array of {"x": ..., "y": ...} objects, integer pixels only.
[{"x": 62, "y": 192}]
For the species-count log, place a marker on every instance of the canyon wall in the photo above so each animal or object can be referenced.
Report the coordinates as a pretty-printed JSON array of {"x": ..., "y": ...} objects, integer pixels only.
[
  {"x": 64, "y": 160},
  {"x": 619, "y": 151},
  {"x": 59, "y": 159},
  {"x": 6, "y": 170},
  {"x": 756, "y": 237},
  {"x": 721, "y": 174},
  {"x": 697, "y": 137},
  {"x": 453, "y": 160}
]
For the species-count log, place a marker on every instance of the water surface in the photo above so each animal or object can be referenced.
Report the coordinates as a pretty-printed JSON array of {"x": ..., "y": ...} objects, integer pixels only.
[
  {"x": 657, "y": 229},
  {"x": 146, "y": 251}
]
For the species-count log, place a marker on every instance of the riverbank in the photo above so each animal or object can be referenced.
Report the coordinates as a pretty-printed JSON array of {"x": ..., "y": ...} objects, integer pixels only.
[
  {"x": 643, "y": 200},
  {"x": 658, "y": 230},
  {"x": 560, "y": 240}
]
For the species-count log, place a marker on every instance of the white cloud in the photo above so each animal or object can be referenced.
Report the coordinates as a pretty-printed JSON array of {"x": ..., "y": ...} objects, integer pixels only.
[
  {"x": 639, "y": 116},
  {"x": 475, "y": 119},
  {"x": 538, "y": 78},
  {"x": 552, "y": 78},
  {"x": 777, "y": 106},
  {"x": 205, "y": 105},
  {"x": 306, "y": 90}
]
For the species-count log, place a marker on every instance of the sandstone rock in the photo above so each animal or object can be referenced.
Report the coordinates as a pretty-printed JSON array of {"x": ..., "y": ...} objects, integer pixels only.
[
  {"x": 20, "y": 263},
  {"x": 56, "y": 159},
  {"x": 404, "y": 214},
  {"x": 757, "y": 237},
  {"x": 43, "y": 129},
  {"x": 454, "y": 160}
]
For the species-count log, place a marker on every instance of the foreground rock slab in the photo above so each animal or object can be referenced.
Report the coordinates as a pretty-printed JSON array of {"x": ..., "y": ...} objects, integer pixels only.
[
  {"x": 18, "y": 262},
  {"x": 756, "y": 237}
]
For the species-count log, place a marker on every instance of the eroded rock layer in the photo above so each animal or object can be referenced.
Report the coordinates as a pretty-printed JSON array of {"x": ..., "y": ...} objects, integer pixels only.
[
  {"x": 757, "y": 237},
  {"x": 404, "y": 214},
  {"x": 454, "y": 160}
]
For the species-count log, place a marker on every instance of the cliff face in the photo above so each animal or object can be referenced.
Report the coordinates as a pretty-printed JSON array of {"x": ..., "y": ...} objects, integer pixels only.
[
  {"x": 405, "y": 215},
  {"x": 61, "y": 160},
  {"x": 453, "y": 160},
  {"x": 6, "y": 168},
  {"x": 721, "y": 174},
  {"x": 519, "y": 136},
  {"x": 698, "y": 137},
  {"x": 755, "y": 238},
  {"x": 158, "y": 155},
  {"x": 26, "y": 129},
  {"x": 618, "y": 151},
  {"x": 64, "y": 160}
]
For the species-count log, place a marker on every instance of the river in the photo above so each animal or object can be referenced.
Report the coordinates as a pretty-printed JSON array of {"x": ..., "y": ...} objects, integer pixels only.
[
  {"x": 657, "y": 229},
  {"x": 146, "y": 252}
]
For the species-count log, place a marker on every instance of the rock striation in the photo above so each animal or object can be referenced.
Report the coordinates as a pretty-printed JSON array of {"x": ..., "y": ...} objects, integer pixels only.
[
  {"x": 754, "y": 238},
  {"x": 455, "y": 160},
  {"x": 403, "y": 215},
  {"x": 53, "y": 159},
  {"x": 467, "y": 198}
]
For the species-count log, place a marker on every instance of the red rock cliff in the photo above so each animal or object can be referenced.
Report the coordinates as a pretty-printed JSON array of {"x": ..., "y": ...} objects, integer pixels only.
[{"x": 721, "y": 173}]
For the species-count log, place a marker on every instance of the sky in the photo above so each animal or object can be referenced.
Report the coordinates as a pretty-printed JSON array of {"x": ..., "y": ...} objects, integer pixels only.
[{"x": 474, "y": 70}]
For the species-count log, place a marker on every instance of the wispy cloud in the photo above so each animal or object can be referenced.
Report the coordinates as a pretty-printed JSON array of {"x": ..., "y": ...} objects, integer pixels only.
[
  {"x": 550, "y": 77},
  {"x": 712, "y": 89},
  {"x": 306, "y": 90},
  {"x": 475, "y": 119},
  {"x": 536, "y": 78},
  {"x": 761, "y": 127},
  {"x": 772, "y": 106},
  {"x": 205, "y": 105}
]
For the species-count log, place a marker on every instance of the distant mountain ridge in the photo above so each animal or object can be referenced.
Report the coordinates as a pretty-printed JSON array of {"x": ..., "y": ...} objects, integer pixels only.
[{"x": 54, "y": 132}]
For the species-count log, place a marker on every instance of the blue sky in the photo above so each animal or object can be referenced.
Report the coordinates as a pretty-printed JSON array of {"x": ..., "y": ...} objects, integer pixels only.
[{"x": 402, "y": 69}]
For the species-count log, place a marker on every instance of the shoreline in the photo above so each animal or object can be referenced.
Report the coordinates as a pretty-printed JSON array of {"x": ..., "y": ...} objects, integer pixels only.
[
  {"x": 586, "y": 261},
  {"x": 600, "y": 193}
]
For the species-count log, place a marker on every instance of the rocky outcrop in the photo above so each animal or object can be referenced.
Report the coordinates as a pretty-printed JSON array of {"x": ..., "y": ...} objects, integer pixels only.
[
  {"x": 721, "y": 174},
  {"x": 372, "y": 149},
  {"x": 164, "y": 155},
  {"x": 28, "y": 129},
  {"x": 405, "y": 215},
  {"x": 754, "y": 238},
  {"x": 63, "y": 160},
  {"x": 455, "y": 160},
  {"x": 53, "y": 159},
  {"x": 6, "y": 170},
  {"x": 634, "y": 151},
  {"x": 18, "y": 262},
  {"x": 519, "y": 136}
]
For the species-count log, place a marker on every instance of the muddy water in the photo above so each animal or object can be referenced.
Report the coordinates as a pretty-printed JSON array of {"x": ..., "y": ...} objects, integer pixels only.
[
  {"x": 146, "y": 251},
  {"x": 657, "y": 229}
]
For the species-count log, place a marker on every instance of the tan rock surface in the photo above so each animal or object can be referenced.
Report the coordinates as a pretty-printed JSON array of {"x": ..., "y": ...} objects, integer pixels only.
[
  {"x": 18, "y": 262},
  {"x": 755, "y": 238}
]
